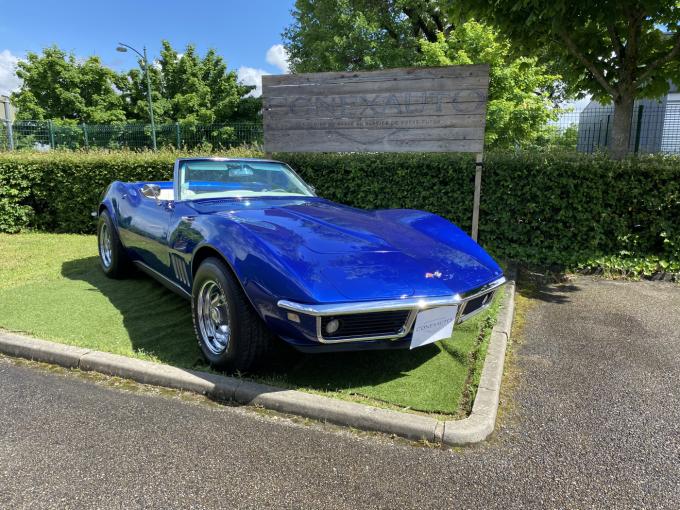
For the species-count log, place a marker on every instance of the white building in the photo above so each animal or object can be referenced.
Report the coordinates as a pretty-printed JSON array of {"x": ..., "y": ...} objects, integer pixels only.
[{"x": 655, "y": 125}]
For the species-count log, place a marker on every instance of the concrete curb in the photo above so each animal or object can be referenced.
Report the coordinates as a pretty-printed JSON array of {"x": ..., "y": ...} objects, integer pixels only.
[
  {"x": 482, "y": 421},
  {"x": 477, "y": 427}
]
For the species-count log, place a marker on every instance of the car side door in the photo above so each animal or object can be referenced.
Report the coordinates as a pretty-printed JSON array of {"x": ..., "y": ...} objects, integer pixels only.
[{"x": 145, "y": 229}]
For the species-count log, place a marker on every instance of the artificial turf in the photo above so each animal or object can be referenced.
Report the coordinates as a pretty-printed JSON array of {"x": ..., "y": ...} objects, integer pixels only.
[{"x": 51, "y": 287}]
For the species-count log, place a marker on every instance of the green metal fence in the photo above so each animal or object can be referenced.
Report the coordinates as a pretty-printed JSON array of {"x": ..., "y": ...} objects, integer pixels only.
[
  {"x": 45, "y": 135},
  {"x": 655, "y": 127},
  {"x": 3, "y": 136}
]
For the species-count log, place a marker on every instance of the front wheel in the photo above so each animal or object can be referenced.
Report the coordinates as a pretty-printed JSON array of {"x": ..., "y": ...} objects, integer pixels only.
[{"x": 230, "y": 334}]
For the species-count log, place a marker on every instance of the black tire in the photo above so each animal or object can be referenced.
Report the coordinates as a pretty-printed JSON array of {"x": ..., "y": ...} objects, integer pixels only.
[
  {"x": 114, "y": 261},
  {"x": 248, "y": 341}
]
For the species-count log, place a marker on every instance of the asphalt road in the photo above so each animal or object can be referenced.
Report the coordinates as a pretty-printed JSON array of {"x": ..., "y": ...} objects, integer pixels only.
[{"x": 593, "y": 421}]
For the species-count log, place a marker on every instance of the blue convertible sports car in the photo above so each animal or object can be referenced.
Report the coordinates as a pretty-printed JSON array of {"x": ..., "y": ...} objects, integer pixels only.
[{"x": 260, "y": 256}]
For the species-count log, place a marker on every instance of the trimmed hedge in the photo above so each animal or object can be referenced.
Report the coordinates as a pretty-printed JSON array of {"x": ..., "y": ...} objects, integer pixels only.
[
  {"x": 56, "y": 191},
  {"x": 550, "y": 208},
  {"x": 568, "y": 209}
]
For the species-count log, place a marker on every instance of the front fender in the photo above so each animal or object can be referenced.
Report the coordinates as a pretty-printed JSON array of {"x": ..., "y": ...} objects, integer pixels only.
[
  {"x": 440, "y": 229},
  {"x": 264, "y": 277},
  {"x": 254, "y": 262}
]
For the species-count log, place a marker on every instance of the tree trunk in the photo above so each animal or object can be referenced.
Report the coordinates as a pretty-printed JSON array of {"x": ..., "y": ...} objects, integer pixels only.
[{"x": 623, "y": 120}]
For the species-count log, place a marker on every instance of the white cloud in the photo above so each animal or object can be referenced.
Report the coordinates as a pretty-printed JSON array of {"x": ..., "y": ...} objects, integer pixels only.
[
  {"x": 9, "y": 81},
  {"x": 251, "y": 76},
  {"x": 278, "y": 57}
]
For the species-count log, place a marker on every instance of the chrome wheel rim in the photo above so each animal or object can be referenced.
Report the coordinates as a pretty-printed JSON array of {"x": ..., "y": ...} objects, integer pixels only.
[
  {"x": 105, "y": 245},
  {"x": 213, "y": 317}
]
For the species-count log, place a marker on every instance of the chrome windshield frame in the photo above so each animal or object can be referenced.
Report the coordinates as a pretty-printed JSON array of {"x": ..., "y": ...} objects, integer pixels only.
[{"x": 177, "y": 168}]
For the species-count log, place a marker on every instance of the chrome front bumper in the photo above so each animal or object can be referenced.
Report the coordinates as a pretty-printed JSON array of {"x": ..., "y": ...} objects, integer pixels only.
[{"x": 413, "y": 304}]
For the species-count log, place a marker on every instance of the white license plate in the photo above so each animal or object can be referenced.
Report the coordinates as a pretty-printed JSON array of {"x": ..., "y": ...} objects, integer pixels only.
[{"x": 433, "y": 324}]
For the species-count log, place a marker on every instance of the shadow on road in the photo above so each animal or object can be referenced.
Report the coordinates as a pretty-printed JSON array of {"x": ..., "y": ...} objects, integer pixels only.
[{"x": 548, "y": 286}]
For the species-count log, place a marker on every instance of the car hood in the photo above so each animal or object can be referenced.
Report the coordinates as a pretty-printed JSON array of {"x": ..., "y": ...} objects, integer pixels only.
[{"x": 365, "y": 255}]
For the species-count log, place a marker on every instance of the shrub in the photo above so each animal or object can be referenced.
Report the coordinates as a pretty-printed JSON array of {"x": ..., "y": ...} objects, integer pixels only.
[
  {"x": 56, "y": 191},
  {"x": 546, "y": 207},
  {"x": 550, "y": 207}
]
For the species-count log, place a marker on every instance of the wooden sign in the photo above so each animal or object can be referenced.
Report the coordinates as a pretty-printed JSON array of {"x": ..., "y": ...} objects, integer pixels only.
[{"x": 420, "y": 109}]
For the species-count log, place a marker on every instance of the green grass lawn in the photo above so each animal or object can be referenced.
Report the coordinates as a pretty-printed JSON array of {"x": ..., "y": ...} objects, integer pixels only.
[{"x": 51, "y": 287}]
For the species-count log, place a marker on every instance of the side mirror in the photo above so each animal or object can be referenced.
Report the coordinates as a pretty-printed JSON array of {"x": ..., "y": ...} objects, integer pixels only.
[{"x": 151, "y": 191}]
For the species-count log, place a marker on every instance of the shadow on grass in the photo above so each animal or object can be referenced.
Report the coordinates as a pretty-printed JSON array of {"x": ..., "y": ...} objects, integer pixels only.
[
  {"x": 158, "y": 323},
  {"x": 460, "y": 357},
  {"x": 348, "y": 370}
]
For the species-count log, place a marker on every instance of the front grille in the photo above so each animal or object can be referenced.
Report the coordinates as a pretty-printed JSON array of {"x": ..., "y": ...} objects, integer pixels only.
[
  {"x": 475, "y": 304},
  {"x": 371, "y": 324}
]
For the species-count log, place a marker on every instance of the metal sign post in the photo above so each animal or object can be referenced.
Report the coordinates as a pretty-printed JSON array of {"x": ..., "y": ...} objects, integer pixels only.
[{"x": 479, "y": 164}]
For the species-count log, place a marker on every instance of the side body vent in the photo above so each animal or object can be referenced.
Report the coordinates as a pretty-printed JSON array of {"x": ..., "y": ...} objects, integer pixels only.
[{"x": 180, "y": 268}]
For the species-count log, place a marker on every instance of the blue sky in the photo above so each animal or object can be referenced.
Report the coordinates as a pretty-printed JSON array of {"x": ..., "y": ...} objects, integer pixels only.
[{"x": 246, "y": 33}]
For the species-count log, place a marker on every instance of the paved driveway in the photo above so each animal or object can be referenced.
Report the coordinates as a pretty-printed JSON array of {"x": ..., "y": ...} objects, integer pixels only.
[{"x": 594, "y": 423}]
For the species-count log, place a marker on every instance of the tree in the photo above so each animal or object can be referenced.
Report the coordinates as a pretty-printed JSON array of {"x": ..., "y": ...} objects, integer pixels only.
[
  {"x": 57, "y": 86},
  {"x": 346, "y": 35},
  {"x": 189, "y": 89},
  {"x": 520, "y": 102},
  {"x": 617, "y": 50},
  {"x": 185, "y": 88}
]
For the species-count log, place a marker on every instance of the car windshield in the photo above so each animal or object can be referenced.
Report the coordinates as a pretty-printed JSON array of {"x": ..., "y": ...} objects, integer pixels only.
[{"x": 224, "y": 179}]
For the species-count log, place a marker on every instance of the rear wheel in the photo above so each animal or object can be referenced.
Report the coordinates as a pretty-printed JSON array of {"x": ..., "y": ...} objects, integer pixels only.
[
  {"x": 112, "y": 257},
  {"x": 230, "y": 333}
]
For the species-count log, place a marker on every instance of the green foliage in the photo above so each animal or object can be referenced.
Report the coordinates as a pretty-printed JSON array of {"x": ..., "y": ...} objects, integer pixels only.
[
  {"x": 630, "y": 266},
  {"x": 57, "y": 191},
  {"x": 519, "y": 102},
  {"x": 186, "y": 88},
  {"x": 551, "y": 136},
  {"x": 190, "y": 89},
  {"x": 349, "y": 35},
  {"x": 58, "y": 86},
  {"x": 620, "y": 40},
  {"x": 361, "y": 35},
  {"x": 439, "y": 183},
  {"x": 550, "y": 207},
  {"x": 615, "y": 50},
  {"x": 15, "y": 189}
]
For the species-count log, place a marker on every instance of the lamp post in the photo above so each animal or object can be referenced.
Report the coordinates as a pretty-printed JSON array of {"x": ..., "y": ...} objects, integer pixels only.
[{"x": 122, "y": 47}]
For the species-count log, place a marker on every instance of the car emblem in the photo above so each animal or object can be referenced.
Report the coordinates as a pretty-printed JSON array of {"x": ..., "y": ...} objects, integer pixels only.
[{"x": 436, "y": 274}]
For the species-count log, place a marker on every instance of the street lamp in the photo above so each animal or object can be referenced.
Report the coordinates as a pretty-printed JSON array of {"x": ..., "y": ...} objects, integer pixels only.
[{"x": 123, "y": 48}]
